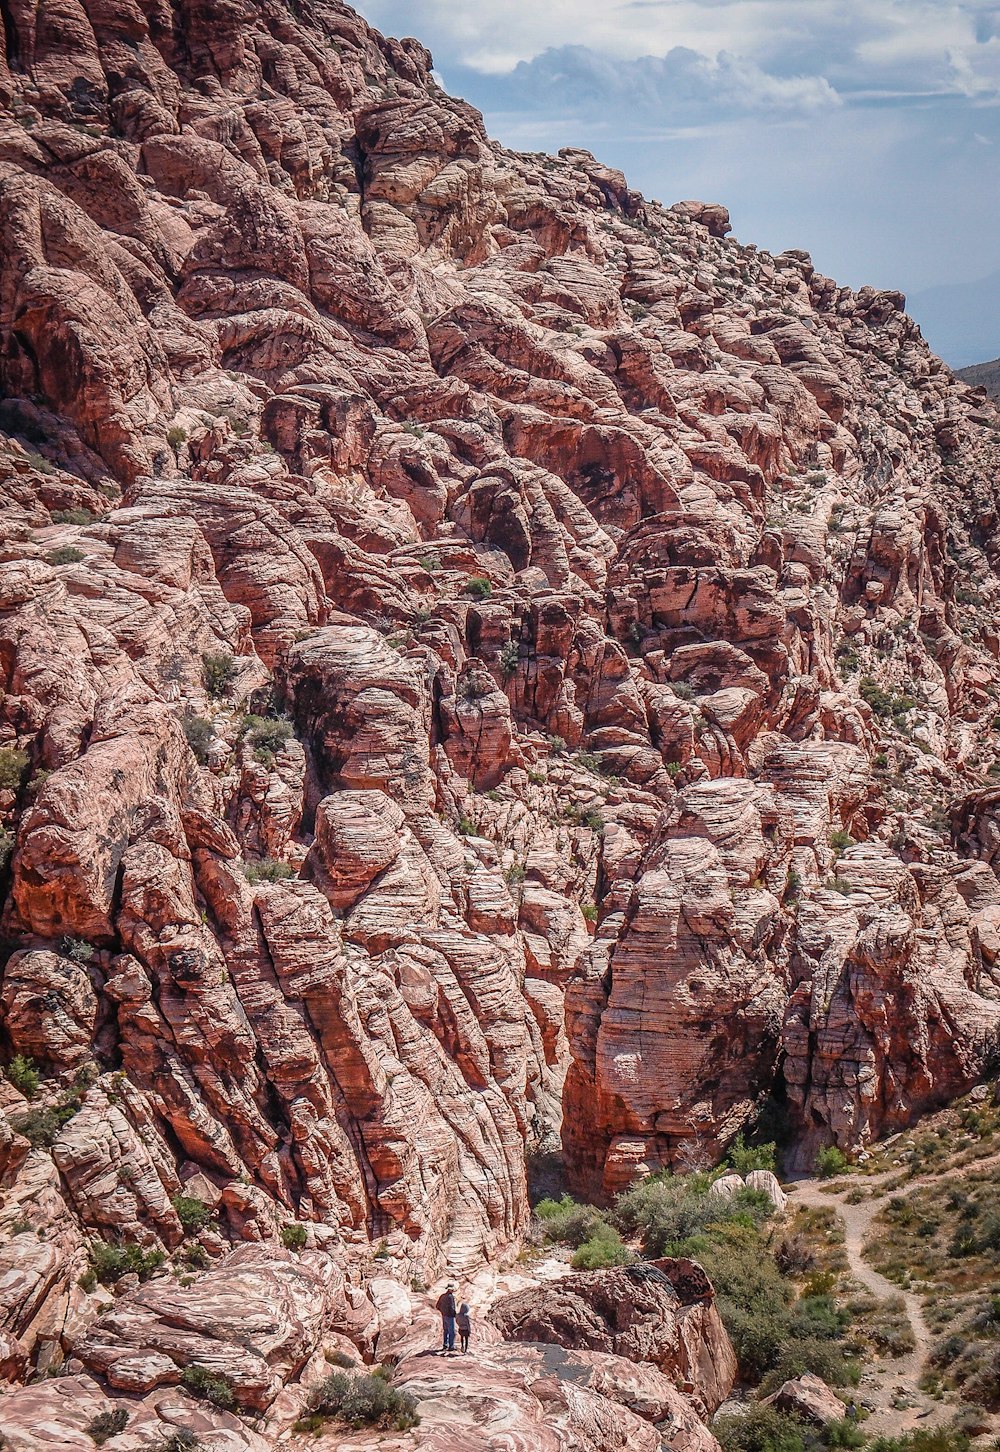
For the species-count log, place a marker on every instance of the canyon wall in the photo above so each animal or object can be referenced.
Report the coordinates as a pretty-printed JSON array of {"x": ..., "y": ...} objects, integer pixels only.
[{"x": 487, "y": 661}]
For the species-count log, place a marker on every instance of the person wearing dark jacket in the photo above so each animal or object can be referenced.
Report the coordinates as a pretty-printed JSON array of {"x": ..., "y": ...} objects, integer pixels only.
[{"x": 446, "y": 1305}]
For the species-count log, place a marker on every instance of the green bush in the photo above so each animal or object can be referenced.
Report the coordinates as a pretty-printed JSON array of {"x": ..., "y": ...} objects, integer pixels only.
[
  {"x": 40, "y": 1127},
  {"x": 218, "y": 671},
  {"x": 830, "y": 1161},
  {"x": 176, "y": 436},
  {"x": 364, "y": 1401},
  {"x": 884, "y": 703},
  {"x": 13, "y": 765},
  {"x": 293, "y": 1236},
  {"x": 760, "y": 1429},
  {"x": 926, "y": 1439},
  {"x": 110, "y": 1262},
  {"x": 65, "y": 555},
  {"x": 841, "y": 840},
  {"x": 21, "y": 1072},
  {"x": 208, "y": 1386},
  {"x": 107, "y": 1425},
  {"x": 193, "y": 1213},
  {"x": 78, "y": 950},
  {"x": 569, "y": 1222},
  {"x": 267, "y": 735},
  {"x": 742, "y": 1157},
  {"x": 478, "y": 587},
  {"x": 843, "y": 1434},
  {"x": 267, "y": 870},
  {"x": 71, "y": 516},
  {"x": 815, "y": 1354},
  {"x": 199, "y": 732},
  {"x": 605, "y": 1247}
]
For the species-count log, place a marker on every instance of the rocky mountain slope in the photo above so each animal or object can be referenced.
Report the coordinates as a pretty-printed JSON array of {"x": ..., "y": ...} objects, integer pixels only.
[
  {"x": 983, "y": 375},
  {"x": 487, "y": 660}
]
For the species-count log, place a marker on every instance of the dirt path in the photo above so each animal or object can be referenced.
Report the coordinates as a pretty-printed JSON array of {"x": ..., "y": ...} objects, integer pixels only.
[{"x": 898, "y": 1379}]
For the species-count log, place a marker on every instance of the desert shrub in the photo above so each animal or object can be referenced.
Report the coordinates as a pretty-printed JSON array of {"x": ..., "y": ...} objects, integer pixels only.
[
  {"x": 293, "y": 1236},
  {"x": 364, "y": 1401},
  {"x": 341, "y": 1358},
  {"x": 593, "y": 820},
  {"x": 478, "y": 587},
  {"x": 193, "y": 1213},
  {"x": 208, "y": 1386},
  {"x": 198, "y": 731},
  {"x": 181, "y": 1439},
  {"x": 813, "y": 1354},
  {"x": 742, "y": 1158},
  {"x": 590, "y": 912},
  {"x": 760, "y": 1429},
  {"x": 843, "y": 1434},
  {"x": 795, "y": 1254},
  {"x": 605, "y": 1247},
  {"x": 884, "y": 703},
  {"x": 71, "y": 516},
  {"x": 78, "y": 950},
  {"x": 13, "y": 765},
  {"x": 925, "y": 1439},
  {"x": 107, "y": 1425},
  {"x": 817, "y": 1317},
  {"x": 569, "y": 1222},
  {"x": 40, "y": 1127},
  {"x": 752, "y": 1297},
  {"x": 65, "y": 555},
  {"x": 267, "y": 735},
  {"x": 267, "y": 870},
  {"x": 176, "y": 436},
  {"x": 840, "y": 840},
  {"x": 830, "y": 1161},
  {"x": 509, "y": 656},
  {"x": 218, "y": 671},
  {"x": 21, "y": 1072},
  {"x": 110, "y": 1262}
]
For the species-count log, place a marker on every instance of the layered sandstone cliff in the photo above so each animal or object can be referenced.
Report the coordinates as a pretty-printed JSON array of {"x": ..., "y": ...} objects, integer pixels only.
[{"x": 485, "y": 657}]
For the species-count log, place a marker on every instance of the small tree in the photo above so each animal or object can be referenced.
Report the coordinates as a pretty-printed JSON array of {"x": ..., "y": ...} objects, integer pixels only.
[
  {"x": 293, "y": 1236},
  {"x": 21, "y": 1072}
]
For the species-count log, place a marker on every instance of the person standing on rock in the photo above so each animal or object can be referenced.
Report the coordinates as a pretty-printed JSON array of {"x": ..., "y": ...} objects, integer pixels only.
[
  {"x": 446, "y": 1305},
  {"x": 464, "y": 1324}
]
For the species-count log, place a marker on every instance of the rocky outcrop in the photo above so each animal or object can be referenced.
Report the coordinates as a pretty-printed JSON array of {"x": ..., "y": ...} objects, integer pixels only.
[
  {"x": 810, "y": 1398},
  {"x": 662, "y": 1313},
  {"x": 486, "y": 662}
]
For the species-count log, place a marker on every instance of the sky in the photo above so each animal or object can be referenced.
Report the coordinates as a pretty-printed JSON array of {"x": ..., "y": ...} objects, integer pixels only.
[{"x": 865, "y": 131}]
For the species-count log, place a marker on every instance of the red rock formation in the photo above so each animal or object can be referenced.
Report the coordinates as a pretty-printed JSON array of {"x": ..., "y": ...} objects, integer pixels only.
[{"x": 463, "y": 628}]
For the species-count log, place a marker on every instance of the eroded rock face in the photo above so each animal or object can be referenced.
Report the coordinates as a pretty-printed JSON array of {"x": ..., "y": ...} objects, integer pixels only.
[
  {"x": 636, "y": 1312},
  {"x": 484, "y": 658}
]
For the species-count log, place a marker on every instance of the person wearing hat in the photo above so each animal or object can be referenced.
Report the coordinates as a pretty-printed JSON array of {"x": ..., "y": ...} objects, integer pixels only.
[{"x": 449, "y": 1310}]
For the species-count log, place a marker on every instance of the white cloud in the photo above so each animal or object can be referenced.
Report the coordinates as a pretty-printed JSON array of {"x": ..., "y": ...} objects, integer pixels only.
[
  {"x": 887, "y": 45},
  {"x": 863, "y": 130}
]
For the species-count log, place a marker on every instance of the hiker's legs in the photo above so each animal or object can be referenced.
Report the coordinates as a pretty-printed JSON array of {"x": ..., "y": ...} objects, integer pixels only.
[
  {"x": 465, "y": 1340},
  {"x": 449, "y": 1333}
]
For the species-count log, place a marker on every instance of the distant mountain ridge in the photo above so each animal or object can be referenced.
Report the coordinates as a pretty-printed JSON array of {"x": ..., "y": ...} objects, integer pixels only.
[
  {"x": 960, "y": 320},
  {"x": 983, "y": 375}
]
